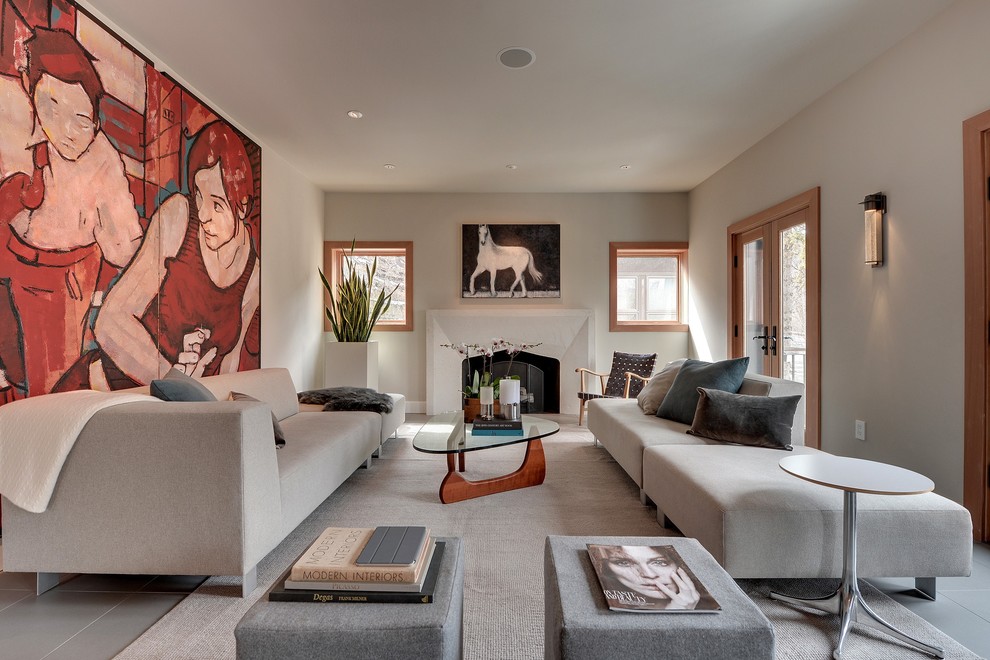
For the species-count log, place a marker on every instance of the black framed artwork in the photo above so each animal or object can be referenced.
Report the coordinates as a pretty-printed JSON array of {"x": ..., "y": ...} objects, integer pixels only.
[{"x": 510, "y": 261}]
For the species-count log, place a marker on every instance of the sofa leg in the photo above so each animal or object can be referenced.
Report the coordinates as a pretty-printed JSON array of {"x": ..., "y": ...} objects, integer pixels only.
[
  {"x": 664, "y": 520},
  {"x": 644, "y": 498},
  {"x": 46, "y": 582},
  {"x": 377, "y": 453},
  {"x": 595, "y": 439},
  {"x": 249, "y": 582},
  {"x": 926, "y": 586},
  {"x": 367, "y": 464}
]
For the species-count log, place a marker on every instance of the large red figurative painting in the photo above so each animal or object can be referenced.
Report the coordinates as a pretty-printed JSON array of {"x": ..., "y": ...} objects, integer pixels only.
[{"x": 130, "y": 215}]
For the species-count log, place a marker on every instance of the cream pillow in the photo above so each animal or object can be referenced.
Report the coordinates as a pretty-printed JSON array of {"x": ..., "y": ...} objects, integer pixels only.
[{"x": 654, "y": 391}]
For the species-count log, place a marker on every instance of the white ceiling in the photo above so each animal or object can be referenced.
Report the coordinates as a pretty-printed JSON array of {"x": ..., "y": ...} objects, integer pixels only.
[{"x": 673, "y": 88}]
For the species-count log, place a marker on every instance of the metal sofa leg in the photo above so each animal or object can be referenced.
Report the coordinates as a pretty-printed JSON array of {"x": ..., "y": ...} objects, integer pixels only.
[
  {"x": 46, "y": 582},
  {"x": 595, "y": 439},
  {"x": 249, "y": 582},
  {"x": 926, "y": 586},
  {"x": 367, "y": 464}
]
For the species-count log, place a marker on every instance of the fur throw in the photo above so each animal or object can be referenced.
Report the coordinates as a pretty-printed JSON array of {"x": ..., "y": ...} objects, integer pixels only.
[{"x": 348, "y": 398}]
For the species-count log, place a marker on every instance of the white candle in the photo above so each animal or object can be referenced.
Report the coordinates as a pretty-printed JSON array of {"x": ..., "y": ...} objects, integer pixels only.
[
  {"x": 487, "y": 395},
  {"x": 508, "y": 391}
]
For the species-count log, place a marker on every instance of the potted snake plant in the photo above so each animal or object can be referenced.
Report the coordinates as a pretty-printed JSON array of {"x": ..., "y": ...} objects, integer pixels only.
[{"x": 352, "y": 313}]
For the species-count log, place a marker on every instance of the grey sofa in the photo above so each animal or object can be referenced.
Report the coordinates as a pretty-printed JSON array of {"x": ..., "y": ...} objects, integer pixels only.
[
  {"x": 192, "y": 488},
  {"x": 760, "y": 522}
]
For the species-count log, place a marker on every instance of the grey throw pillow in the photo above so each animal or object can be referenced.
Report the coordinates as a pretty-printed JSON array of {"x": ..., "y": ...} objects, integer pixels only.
[
  {"x": 279, "y": 434},
  {"x": 682, "y": 399},
  {"x": 176, "y": 386},
  {"x": 760, "y": 421},
  {"x": 655, "y": 390}
]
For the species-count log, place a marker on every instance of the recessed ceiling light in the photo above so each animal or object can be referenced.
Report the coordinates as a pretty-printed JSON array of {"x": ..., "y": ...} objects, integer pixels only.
[
  {"x": 515, "y": 57},
  {"x": 354, "y": 114},
  {"x": 625, "y": 167},
  {"x": 510, "y": 166},
  {"x": 389, "y": 166}
]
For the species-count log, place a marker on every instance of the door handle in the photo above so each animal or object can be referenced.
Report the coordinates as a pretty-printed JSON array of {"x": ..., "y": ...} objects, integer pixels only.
[
  {"x": 765, "y": 336},
  {"x": 773, "y": 341}
]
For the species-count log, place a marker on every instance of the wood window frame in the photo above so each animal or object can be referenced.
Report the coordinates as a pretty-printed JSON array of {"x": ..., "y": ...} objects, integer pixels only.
[
  {"x": 647, "y": 249},
  {"x": 333, "y": 263}
]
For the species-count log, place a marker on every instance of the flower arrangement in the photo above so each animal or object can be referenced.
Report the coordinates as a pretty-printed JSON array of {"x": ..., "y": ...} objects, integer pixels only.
[{"x": 486, "y": 378}]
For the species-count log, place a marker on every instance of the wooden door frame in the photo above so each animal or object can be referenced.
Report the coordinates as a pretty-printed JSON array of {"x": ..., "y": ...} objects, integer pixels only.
[
  {"x": 976, "y": 462},
  {"x": 810, "y": 201}
]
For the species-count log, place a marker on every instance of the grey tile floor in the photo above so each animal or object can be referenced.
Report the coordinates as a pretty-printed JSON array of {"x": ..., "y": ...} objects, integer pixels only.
[
  {"x": 962, "y": 607},
  {"x": 93, "y": 617},
  {"x": 87, "y": 617}
]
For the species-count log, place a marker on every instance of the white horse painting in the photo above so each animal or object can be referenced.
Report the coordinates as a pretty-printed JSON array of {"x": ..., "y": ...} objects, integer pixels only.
[{"x": 493, "y": 258}]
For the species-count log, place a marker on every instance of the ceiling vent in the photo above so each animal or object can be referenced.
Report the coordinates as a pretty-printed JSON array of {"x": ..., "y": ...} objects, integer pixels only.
[{"x": 515, "y": 57}]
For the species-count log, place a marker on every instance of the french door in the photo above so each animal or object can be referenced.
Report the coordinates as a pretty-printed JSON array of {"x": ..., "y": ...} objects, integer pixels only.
[{"x": 774, "y": 297}]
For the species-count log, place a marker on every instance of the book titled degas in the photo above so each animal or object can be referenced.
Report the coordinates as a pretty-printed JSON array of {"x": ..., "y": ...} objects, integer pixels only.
[
  {"x": 333, "y": 557},
  {"x": 648, "y": 578}
]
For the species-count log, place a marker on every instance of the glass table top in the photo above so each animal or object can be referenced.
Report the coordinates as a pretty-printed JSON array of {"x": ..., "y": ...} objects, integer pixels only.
[{"x": 447, "y": 433}]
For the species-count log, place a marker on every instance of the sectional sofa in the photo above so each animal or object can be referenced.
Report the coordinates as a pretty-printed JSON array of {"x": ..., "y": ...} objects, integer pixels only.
[
  {"x": 760, "y": 522},
  {"x": 169, "y": 488}
]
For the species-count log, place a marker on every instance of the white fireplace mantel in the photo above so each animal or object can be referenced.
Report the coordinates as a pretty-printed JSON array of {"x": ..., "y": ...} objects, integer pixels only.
[{"x": 566, "y": 334}]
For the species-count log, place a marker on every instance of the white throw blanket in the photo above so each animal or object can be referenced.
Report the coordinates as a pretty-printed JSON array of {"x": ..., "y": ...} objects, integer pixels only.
[{"x": 36, "y": 436}]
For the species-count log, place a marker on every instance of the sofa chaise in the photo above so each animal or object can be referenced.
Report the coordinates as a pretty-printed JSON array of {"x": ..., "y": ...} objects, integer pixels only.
[
  {"x": 760, "y": 522},
  {"x": 170, "y": 488}
]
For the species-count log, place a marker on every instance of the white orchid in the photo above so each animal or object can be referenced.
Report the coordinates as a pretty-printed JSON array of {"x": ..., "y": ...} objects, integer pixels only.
[{"x": 487, "y": 352}]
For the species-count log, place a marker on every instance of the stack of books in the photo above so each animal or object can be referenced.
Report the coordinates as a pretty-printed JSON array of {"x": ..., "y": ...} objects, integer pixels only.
[
  {"x": 364, "y": 565},
  {"x": 496, "y": 426}
]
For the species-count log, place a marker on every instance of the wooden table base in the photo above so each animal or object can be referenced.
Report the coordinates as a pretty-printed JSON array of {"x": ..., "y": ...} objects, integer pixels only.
[{"x": 532, "y": 472}]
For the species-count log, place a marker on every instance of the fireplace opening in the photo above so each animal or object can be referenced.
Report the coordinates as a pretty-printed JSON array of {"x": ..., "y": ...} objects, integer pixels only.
[{"x": 539, "y": 378}]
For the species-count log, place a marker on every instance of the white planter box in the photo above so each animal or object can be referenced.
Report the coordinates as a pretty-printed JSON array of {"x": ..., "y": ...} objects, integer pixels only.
[{"x": 350, "y": 363}]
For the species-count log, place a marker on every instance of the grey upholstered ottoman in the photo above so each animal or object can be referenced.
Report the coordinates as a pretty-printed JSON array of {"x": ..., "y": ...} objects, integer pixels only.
[
  {"x": 361, "y": 630},
  {"x": 580, "y": 625}
]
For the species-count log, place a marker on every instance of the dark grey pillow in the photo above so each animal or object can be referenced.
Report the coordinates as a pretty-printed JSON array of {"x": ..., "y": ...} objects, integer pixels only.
[
  {"x": 279, "y": 434},
  {"x": 176, "y": 386},
  {"x": 759, "y": 421},
  {"x": 682, "y": 398}
]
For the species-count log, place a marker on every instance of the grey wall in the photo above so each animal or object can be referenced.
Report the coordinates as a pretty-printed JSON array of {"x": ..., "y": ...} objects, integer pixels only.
[
  {"x": 433, "y": 221},
  {"x": 291, "y": 293},
  {"x": 892, "y": 337}
]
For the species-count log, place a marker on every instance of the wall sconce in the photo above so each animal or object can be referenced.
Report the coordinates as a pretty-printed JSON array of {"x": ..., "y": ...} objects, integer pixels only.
[{"x": 875, "y": 206}]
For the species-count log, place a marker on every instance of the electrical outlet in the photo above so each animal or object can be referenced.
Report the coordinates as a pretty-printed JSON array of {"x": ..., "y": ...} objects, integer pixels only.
[{"x": 860, "y": 429}]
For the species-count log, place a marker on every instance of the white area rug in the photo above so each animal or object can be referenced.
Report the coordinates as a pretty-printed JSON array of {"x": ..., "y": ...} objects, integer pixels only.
[{"x": 585, "y": 493}]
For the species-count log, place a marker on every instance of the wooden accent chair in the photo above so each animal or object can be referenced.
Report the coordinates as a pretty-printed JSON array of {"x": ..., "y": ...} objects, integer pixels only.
[{"x": 630, "y": 371}]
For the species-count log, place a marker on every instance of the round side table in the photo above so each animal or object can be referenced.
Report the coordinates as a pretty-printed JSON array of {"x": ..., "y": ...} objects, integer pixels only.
[{"x": 851, "y": 476}]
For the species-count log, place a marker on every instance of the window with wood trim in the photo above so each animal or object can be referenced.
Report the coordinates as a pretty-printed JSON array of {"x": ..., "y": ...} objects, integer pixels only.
[
  {"x": 647, "y": 287},
  {"x": 395, "y": 270}
]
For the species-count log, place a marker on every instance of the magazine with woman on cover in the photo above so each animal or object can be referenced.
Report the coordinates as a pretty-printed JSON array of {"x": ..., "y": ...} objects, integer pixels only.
[{"x": 644, "y": 578}]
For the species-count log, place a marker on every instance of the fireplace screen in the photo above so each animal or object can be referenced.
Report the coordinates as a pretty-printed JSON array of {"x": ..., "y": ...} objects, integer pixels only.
[{"x": 539, "y": 378}]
